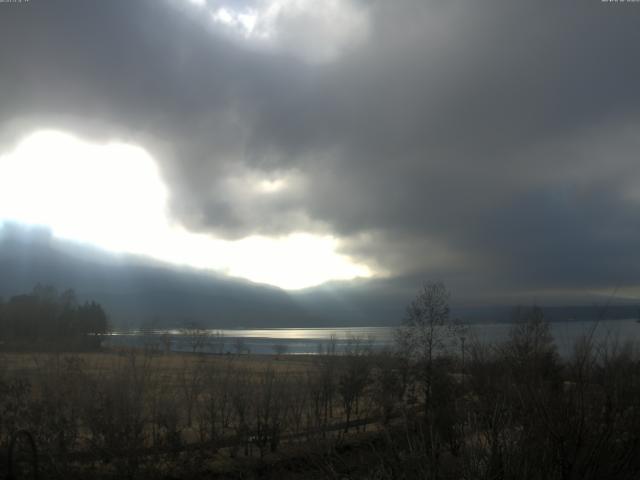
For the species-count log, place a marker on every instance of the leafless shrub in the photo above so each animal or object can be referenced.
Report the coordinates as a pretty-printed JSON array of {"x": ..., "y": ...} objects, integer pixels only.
[
  {"x": 115, "y": 413},
  {"x": 242, "y": 401},
  {"x": 270, "y": 410},
  {"x": 190, "y": 379},
  {"x": 388, "y": 386},
  {"x": 215, "y": 407},
  {"x": 354, "y": 377}
]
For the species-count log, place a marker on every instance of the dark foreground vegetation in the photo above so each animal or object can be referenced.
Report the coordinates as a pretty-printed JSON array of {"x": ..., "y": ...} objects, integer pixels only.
[
  {"x": 46, "y": 320},
  {"x": 438, "y": 406}
]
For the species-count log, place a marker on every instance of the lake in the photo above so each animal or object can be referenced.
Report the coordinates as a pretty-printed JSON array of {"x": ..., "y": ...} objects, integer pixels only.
[{"x": 313, "y": 340}]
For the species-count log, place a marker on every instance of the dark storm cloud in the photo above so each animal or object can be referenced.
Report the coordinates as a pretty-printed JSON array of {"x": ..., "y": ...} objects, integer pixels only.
[{"x": 461, "y": 138}]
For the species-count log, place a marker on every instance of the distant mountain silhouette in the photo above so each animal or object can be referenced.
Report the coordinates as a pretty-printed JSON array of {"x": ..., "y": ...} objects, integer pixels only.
[{"x": 136, "y": 291}]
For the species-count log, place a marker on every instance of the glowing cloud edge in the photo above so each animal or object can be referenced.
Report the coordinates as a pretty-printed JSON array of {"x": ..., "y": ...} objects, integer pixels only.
[{"x": 112, "y": 196}]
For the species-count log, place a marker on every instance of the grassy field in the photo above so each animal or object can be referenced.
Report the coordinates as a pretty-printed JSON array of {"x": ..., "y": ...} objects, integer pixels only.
[
  {"x": 31, "y": 363},
  {"x": 84, "y": 407},
  {"x": 511, "y": 410}
]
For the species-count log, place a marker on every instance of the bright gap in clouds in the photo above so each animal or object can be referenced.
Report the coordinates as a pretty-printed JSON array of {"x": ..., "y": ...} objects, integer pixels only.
[
  {"x": 315, "y": 32},
  {"x": 112, "y": 196}
]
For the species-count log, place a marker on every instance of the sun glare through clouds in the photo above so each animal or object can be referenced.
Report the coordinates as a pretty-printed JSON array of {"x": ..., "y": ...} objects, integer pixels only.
[{"x": 113, "y": 196}]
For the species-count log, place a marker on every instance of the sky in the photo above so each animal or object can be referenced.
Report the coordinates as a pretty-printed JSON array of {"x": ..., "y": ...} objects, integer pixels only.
[{"x": 491, "y": 145}]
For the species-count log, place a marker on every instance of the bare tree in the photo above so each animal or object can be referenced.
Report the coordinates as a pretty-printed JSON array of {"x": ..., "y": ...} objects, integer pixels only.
[
  {"x": 531, "y": 348},
  {"x": 354, "y": 377},
  {"x": 197, "y": 336},
  {"x": 280, "y": 349},
  {"x": 241, "y": 399},
  {"x": 427, "y": 331},
  {"x": 388, "y": 388},
  {"x": 425, "y": 336},
  {"x": 214, "y": 406},
  {"x": 166, "y": 343},
  {"x": 270, "y": 405},
  {"x": 240, "y": 346},
  {"x": 190, "y": 379},
  {"x": 217, "y": 341}
]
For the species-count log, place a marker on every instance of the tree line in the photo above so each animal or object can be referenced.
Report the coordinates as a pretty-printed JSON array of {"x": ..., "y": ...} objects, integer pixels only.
[{"x": 46, "y": 317}]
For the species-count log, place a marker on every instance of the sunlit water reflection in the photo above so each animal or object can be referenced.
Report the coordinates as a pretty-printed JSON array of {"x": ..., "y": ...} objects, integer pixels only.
[{"x": 314, "y": 340}]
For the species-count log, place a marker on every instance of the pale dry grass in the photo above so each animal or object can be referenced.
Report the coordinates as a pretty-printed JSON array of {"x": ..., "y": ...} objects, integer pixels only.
[{"x": 21, "y": 363}]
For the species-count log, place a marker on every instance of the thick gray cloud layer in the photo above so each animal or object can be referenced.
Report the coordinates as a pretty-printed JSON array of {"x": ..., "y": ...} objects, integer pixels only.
[{"x": 492, "y": 144}]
